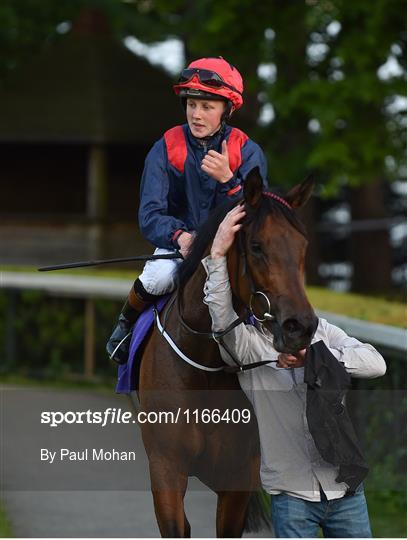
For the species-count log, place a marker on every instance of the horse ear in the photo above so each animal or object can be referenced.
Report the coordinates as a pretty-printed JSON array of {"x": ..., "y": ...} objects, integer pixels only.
[
  {"x": 253, "y": 187},
  {"x": 298, "y": 196}
]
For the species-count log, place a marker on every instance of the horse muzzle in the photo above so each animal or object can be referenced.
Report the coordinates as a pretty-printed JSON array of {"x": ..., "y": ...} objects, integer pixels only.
[{"x": 294, "y": 333}]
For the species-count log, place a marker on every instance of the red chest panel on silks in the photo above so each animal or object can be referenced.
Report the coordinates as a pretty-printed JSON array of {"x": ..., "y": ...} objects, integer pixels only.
[{"x": 177, "y": 147}]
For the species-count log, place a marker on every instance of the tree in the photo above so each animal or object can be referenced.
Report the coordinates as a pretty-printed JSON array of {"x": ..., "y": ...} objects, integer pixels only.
[
  {"x": 355, "y": 137},
  {"x": 333, "y": 114},
  {"x": 327, "y": 56}
]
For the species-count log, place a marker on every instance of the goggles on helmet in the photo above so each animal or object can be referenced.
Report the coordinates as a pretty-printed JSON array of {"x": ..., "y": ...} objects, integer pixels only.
[{"x": 206, "y": 77}]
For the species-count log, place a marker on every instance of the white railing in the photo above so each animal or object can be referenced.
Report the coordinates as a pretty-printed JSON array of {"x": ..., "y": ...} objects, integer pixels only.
[{"x": 91, "y": 288}]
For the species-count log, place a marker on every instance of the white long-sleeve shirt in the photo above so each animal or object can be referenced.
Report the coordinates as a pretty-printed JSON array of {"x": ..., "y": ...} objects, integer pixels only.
[{"x": 290, "y": 461}]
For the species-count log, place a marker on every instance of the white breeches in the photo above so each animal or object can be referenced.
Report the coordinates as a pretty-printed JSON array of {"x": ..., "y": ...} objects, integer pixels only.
[{"x": 158, "y": 276}]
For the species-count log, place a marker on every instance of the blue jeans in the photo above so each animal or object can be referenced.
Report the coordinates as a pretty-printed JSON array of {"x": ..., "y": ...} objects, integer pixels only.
[{"x": 340, "y": 518}]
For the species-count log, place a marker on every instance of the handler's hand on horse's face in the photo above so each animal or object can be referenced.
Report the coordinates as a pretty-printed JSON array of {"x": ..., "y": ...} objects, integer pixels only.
[{"x": 226, "y": 232}]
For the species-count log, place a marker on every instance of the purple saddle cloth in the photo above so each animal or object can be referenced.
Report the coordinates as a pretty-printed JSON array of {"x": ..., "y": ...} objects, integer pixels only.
[{"x": 128, "y": 374}]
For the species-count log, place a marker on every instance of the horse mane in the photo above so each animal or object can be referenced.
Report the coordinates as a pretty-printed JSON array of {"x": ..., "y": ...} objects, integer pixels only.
[
  {"x": 207, "y": 231},
  {"x": 203, "y": 238}
]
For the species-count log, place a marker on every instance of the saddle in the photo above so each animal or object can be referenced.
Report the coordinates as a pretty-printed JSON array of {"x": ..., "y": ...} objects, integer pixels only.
[{"x": 129, "y": 373}]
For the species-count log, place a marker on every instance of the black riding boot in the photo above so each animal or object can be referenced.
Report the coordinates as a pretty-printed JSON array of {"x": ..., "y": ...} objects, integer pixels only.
[{"x": 119, "y": 342}]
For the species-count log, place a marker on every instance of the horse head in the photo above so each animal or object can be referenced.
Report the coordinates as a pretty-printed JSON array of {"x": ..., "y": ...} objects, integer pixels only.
[{"x": 266, "y": 264}]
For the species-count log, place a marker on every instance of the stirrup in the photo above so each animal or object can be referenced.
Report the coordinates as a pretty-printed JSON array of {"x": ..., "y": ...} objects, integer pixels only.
[{"x": 111, "y": 357}]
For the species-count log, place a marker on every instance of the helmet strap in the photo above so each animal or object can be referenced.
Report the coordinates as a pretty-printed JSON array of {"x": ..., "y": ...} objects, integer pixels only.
[
  {"x": 228, "y": 111},
  {"x": 226, "y": 115}
]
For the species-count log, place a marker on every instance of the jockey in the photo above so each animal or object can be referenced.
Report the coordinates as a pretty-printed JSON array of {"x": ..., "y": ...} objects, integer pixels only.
[{"x": 188, "y": 172}]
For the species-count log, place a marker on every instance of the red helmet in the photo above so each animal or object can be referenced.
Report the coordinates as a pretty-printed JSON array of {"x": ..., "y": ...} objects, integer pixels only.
[{"x": 211, "y": 78}]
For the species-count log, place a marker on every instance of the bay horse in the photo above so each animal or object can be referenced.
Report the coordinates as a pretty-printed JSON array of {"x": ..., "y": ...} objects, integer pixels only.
[{"x": 224, "y": 455}]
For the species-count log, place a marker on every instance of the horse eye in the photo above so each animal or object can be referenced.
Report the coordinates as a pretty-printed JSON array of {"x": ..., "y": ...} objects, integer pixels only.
[{"x": 256, "y": 248}]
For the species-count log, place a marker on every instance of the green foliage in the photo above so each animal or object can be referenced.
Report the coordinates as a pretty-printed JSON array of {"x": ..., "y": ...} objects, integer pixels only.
[
  {"x": 339, "y": 87},
  {"x": 387, "y": 513},
  {"x": 5, "y": 526},
  {"x": 29, "y": 25},
  {"x": 48, "y": 333},
  {"x": 379, "y": 409}
]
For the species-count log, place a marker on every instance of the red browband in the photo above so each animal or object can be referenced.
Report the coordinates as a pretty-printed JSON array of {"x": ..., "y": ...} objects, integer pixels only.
[{"x": 277, "y": 198}]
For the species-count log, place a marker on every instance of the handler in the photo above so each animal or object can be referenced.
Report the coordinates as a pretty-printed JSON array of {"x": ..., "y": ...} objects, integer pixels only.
[
  {"x": 189, "y": 171},
  {"x": 305, "y": 490}
]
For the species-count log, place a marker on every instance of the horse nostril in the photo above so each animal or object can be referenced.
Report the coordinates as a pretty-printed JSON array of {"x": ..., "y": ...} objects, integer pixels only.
[{"x": 292, "y": 326}]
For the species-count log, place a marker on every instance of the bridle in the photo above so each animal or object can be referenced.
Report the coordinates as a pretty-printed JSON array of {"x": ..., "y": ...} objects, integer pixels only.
[
  {"x": 217, "y": 336},
  {"x": 246, "y": 272}
]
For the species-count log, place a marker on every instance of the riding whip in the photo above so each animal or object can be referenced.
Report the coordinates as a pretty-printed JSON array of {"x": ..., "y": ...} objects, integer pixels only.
[{"x": 81, "y": 264}]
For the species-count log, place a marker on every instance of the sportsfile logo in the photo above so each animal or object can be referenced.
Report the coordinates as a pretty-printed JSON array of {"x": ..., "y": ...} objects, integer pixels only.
[{"x": 111, "y": 415}]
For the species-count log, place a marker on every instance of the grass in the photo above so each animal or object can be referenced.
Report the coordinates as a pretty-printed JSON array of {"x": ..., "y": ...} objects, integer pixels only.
[
  {"x": 5, "y": 527},
  {"x": 387, "y": 513},
  {"x": 358, "y": 306}
]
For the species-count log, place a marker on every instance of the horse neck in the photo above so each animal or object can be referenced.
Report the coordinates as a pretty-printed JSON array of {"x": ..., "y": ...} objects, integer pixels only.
[
  {"x": 194, "y": 311},
  {"x": 196, "y": 315}
]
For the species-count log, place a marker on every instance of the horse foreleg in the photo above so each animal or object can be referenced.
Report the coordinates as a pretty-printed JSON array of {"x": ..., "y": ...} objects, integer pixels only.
[
  {"x": 171, "y": 518},
  {"x": 168, "y": 494},
  {"x": 231, "y": 513}
]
